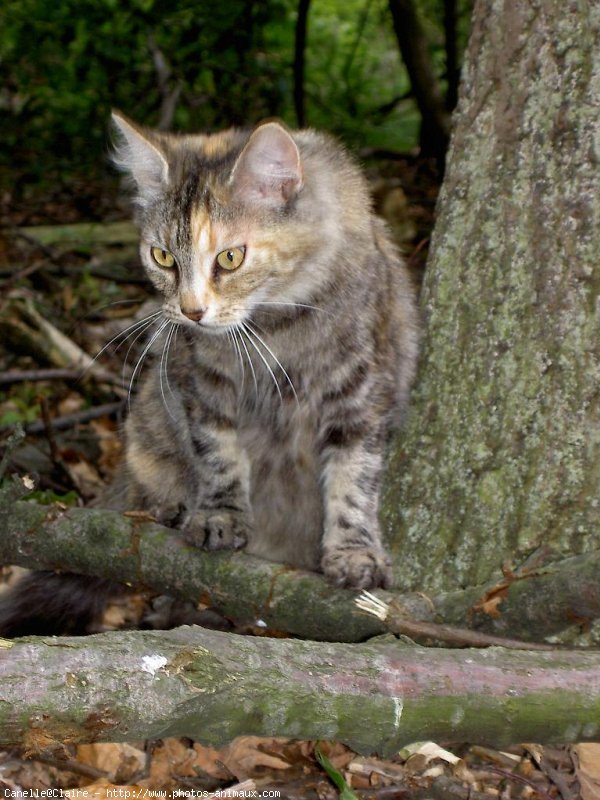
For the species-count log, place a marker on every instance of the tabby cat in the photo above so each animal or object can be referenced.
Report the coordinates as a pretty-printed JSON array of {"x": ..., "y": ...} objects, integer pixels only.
[{"x": 285, "y": 347}]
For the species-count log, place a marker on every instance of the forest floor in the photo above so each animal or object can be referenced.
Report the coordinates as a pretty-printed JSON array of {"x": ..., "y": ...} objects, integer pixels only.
[{"x": 65, "y": 292}]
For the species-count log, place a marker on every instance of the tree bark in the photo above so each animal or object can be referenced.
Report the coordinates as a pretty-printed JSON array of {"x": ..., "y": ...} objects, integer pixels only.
[
  {"x": 502, "y": 454},
  {"x": 247, "y": 589},
  {"x": 212, "y": 686}
]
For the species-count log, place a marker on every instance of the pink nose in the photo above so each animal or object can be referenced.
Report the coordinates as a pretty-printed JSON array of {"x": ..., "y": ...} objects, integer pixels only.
[{"x": 196, "y": 315}]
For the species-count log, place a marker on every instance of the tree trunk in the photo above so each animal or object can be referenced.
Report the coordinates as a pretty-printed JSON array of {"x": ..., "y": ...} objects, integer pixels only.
[
  {"x": 212, "y": 686},
  {"x": 502, "y": 453}
]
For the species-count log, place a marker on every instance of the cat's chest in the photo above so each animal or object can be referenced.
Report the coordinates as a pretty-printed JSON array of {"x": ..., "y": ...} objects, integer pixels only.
[{"x": 277, "y": 376}]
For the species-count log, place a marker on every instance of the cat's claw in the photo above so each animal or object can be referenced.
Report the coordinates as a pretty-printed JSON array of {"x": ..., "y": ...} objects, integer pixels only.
[
  {"x": 357, "y": 568},
  {"x": 215, "y": 529}
]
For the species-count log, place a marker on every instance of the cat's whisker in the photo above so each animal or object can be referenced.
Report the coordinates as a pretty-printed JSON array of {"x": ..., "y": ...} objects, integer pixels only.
[
  {"x": 239, "y": 335},
  {"x": 249, "y": 334},
  {"x": 140, "y": 332},
  {"x": 162, "y": 370},
  {"x": 277, "y": 361},
  {"x": 140, "y": 360},
  {"x": 129, "y": 330},
  {"x": 234, "y": 342},
  {"x": 130, "y": 301},
  {"x": 170, "y": 338}
]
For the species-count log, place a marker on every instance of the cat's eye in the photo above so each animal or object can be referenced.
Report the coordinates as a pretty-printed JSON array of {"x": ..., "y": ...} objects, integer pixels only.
[
  {"x": 232, "y": 258},
  {"x": 162, "y": 257}
]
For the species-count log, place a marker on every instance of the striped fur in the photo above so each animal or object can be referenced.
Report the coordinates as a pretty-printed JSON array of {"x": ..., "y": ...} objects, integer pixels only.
[{"x": 264, "y": 424}]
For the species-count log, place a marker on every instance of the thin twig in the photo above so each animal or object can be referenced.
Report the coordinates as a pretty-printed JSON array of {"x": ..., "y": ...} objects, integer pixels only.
[
  {"x": 15, "y": 277},
  {"x": 55, "y": 374},
  {"x": 11, "y": 443},
  {"x": 400, "y": 624},
  {"x": 513, "y": 776},
  {"x": 72, "y": 765},
  {"x": 49, "y": 431},
  {"x": 71, "y": 420}
]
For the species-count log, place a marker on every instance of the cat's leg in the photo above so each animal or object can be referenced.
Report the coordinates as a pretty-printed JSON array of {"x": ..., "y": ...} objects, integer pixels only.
[
  {"x": 184, "y": 459},
  {"x": 206, "y": 488},
  {"x": 352, "y": 550},
  {"x": 219, "y": 518}
]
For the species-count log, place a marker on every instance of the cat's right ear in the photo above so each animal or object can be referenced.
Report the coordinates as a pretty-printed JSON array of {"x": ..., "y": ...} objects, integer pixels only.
[{"x": 138, "y": 154}]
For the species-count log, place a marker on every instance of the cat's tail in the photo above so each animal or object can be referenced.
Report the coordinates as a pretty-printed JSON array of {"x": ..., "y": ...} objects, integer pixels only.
[{"x": 51, "y": 603}]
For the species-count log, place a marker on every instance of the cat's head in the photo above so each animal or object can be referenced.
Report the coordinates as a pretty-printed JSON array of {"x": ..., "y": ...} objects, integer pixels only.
[{"x": 229, "y": 222}]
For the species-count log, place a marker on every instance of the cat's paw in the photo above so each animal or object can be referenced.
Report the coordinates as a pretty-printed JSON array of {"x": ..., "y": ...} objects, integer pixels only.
[
  {"x": 357, "y": 568},
  {"x": 216, "y": 529}
]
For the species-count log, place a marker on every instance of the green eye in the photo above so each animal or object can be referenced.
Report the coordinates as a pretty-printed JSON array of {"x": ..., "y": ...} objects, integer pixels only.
[
  {"x": 162, "y": 257},
  {"x": 232, "y": 258}
]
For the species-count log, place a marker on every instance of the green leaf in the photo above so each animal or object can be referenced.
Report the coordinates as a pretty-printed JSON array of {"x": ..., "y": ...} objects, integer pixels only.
[
  {"x": 46, "y": 497},
  {"x": 335, "y": 776}
]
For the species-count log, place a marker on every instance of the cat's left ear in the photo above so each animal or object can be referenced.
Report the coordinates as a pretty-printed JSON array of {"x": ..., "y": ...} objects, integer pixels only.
[{"x": 268, "y": 171}]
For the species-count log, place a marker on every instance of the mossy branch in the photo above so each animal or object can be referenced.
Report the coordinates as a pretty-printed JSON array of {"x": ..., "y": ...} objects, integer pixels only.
[{"x": 244, "y": 588}]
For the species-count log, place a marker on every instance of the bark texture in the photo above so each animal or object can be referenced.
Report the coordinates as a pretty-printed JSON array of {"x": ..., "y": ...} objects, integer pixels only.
[
  {"x": 502, "y": 452},
  {"x": 212, "y": 686}
]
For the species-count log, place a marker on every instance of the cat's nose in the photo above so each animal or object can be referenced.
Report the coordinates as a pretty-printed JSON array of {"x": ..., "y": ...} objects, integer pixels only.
[{"x": 195, "y": 315}]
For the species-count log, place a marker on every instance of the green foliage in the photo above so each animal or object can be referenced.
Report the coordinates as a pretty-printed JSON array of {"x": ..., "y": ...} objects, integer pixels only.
[
  {"x": 335, "y": 776},
  {"x": 46, "y": 497},
  {"x": 21, "y": 413},
  {"x": 21, "y": 405},
  {"x": 354, "y": 71},
  {"x": 64, "y": 65}
]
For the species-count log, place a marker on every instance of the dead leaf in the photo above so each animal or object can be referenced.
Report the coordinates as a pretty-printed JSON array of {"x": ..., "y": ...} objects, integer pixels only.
[
  {"x": 84, "y": 475},
  {"x": 210, "y": 761},
  {"x": 70, "y": 404},
  {"x": 246, "y": 754},
  {"x": 173, "y": 760},
  {"x": 120, "y": 760},
  {"x": 491, "y": 600},
  {"x": 587, "y": 769},
  {"x": 339, "y": 755},
  {"x": 429, "y": 751},
  {"x": 110, "y": 443}
]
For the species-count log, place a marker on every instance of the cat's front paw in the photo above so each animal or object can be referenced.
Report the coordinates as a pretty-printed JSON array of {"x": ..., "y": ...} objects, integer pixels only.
[
  {"x": 357, "y": 567},
  {"x": 216, "y": 529}
]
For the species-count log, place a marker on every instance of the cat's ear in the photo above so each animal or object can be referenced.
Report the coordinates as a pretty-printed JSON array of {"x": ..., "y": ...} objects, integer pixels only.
[
  {"x": 268, "y": 171},
  {"x": 138, "y": 154}
]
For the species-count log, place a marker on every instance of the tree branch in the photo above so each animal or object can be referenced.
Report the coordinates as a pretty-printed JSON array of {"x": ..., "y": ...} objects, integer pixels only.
[
  {"x": 244, "y": 588},
  {"x": 435, "y": 126},
  {"x": 213, "y": 686},
  {"x": 299, "y": 61}
]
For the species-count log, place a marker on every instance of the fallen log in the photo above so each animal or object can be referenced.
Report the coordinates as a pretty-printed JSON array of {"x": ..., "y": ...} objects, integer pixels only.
[{"x": 212, "y": 686}]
